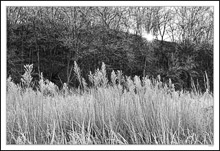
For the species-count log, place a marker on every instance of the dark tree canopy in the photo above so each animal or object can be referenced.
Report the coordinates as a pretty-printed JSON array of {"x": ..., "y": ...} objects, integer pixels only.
[{"x": 52, "y": 38}]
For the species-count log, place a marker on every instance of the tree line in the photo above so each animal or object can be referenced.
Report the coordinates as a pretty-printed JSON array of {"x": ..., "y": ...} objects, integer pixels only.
[{"x": 52, "y": 38}]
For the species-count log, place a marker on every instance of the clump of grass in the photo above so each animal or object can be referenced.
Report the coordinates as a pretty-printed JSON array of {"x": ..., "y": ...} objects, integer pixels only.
[
  {"x": 147, "y": 112},
  {"x": 26, "y": 77},
  {"x": 47, "y": 87},
  {"x": 82, "y": 82},
  {"x": 98, "y": 78}
]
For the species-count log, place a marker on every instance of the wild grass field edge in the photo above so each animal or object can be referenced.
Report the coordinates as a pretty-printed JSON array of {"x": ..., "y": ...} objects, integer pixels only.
[{"x": 123, "y": 110}]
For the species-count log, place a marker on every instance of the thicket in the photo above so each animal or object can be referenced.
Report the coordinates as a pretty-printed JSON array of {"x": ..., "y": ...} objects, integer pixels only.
[{"x": 51, "y": 39}]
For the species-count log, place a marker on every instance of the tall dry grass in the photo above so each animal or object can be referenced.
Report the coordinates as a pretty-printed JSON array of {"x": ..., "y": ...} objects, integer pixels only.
[{"x": 142, "y": 113}]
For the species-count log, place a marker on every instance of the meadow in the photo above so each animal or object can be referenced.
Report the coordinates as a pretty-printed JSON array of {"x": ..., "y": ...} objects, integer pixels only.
[{"x": 123, "y": 110}]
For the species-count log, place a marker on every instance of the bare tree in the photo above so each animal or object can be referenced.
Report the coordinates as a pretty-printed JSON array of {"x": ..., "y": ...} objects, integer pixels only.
[{"x": 194, "y": 23}]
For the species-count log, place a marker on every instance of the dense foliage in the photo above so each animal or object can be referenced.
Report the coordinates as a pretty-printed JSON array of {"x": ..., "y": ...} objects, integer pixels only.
[
  {"x": 147, "y": 112},
  {"x": 52, "y": 38}
]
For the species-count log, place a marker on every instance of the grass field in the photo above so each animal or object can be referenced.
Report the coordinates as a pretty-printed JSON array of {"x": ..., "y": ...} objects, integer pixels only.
[{"x": 144, "y": 113}]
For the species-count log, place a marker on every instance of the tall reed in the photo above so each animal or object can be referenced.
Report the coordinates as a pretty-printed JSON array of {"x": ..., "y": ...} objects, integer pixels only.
[{"x": 137, "y": 111}]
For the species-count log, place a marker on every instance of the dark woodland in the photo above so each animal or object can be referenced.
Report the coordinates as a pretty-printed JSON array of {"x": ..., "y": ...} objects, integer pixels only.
[{"x": 52, "y": 38}]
